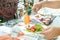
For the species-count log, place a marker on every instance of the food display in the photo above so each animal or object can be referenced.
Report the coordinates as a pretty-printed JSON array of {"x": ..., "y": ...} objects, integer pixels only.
[
  {"x": 25, "y": 27},
  {"x": 34, "y": 28},
  {"x": 45, "y": 19}
]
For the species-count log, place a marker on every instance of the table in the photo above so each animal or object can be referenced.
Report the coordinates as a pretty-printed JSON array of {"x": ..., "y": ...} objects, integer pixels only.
[
  {"x": 39, "y": 36},
  {"x": 29, "y": 36}
]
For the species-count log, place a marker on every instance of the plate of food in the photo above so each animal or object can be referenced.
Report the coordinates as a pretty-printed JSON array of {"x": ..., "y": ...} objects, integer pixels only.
[
  {"x": 45, "y": 19},
  {"x": 32, "y": 28}
]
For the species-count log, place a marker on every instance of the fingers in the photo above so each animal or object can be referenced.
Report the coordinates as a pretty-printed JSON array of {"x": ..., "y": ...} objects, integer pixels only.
[
  {"x": 4, "y": 37},
  {"x": 34, "y": 9},
  {"x": 47, "y": 33}
]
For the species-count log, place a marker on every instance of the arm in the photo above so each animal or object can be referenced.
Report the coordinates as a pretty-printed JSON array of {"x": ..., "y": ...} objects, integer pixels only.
[
  {"x": 51, "y": 4},
  {"x": 51, "y": 32}
]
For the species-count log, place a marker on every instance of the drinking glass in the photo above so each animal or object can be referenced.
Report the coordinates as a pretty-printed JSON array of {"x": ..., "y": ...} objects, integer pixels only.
[{"x": 20, "y": 12}]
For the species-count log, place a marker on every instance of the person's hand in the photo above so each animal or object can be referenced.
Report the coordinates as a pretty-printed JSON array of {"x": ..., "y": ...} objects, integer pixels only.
[
  {"x": 4, "y": 37},
  {"x": 51, "y": 32},
  {"x": 7, "y": 37},
  {"x": 37, "y": 6}
]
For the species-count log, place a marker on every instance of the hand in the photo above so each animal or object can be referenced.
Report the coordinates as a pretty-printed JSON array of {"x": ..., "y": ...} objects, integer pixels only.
[
  {"x": 5, "y": 37},
  {"x": 51, "y": 32},
  {"x": 37, "y": 6}
]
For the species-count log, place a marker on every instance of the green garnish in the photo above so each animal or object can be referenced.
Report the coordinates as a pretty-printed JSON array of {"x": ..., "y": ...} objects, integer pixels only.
[{"x": 38, "y": 28}]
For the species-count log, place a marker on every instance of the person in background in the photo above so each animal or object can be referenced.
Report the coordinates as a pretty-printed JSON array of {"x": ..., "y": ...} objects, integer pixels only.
[{"x": 49, "y": 32}]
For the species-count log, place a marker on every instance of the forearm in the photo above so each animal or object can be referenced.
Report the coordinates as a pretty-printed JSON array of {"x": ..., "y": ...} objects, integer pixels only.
[
  {"x": 59, "y": 30},
  {"x": 51, "y": 4}
]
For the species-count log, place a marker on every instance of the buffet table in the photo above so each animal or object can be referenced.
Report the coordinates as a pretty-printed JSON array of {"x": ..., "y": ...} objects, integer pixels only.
[
  {"x": 15, "y": 26},
  {"x": 31, "y": 36},
  {"x": 38, "y": 36}
]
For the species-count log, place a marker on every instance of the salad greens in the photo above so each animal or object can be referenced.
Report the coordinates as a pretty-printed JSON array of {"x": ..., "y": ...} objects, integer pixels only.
[{"x": 35, "y": 28}]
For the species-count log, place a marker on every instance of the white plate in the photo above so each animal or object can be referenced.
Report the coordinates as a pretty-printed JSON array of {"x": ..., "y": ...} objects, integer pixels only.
[{"x": 23, "y": 29}]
